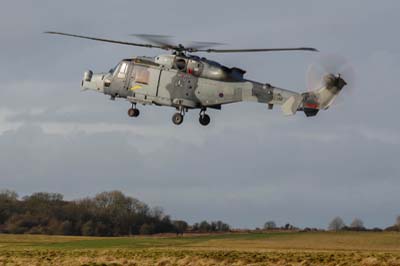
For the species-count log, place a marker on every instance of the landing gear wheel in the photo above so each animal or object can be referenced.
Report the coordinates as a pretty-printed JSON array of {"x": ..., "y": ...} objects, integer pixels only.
[
  {"x": 133, "y": 112},
  {"x": 204, "y": 119},
  {"x": 177, "y": 118}
]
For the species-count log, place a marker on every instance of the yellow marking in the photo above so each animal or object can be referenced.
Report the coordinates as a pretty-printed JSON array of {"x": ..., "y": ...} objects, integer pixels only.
[{"x": 136, "y": 87}]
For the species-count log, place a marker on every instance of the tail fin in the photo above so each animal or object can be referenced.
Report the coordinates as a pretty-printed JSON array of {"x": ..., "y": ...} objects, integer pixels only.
[
  {"x": 321, "y": 99},
  {"x": 292, "y": 104}
]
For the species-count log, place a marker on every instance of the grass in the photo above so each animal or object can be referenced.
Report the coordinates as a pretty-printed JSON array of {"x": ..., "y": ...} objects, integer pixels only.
[{"x": 277, "y": 248}]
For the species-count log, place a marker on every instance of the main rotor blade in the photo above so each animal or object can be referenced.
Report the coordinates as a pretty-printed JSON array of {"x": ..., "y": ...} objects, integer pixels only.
[
  {"x": 195, "y": 45},
  {"x": 257, "y": 50},
  {"x": 161, "y": 40},
  {"x": 165, "y": 45},
  {"x": 110, "y": 41},
  {"x": 166, "y": 40}
]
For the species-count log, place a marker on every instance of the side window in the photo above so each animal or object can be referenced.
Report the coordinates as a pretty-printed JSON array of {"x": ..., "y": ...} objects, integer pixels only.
[
  {"x": 122, "y": 70},
  {"x": 141, "y": 74}
]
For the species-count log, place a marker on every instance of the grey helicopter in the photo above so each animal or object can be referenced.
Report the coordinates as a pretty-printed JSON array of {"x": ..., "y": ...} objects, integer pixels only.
[{"x": 185, "y": 81}]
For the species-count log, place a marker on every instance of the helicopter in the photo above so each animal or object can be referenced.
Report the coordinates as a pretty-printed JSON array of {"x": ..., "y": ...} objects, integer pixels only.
[{"x": 186, "y": 81}]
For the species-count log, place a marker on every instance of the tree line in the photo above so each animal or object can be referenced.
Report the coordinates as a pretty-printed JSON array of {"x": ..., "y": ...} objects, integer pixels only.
[
  {"x": 337, "y": 224},
  {"x": 106, "y": 214},
  {"x": 115, "y": 214}
]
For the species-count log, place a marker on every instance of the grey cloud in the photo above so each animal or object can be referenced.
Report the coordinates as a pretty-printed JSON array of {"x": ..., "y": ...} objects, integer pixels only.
[{"x": 220, "y": 177}]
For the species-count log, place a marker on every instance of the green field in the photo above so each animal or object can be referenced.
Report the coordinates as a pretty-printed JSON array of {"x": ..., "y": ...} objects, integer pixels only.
[{"x": 276, "y": 248}]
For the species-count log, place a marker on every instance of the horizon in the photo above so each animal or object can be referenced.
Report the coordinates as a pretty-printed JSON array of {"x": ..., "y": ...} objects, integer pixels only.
[
  {"x": 261, "y": 227},
  {"x": 251, "y": 164}
]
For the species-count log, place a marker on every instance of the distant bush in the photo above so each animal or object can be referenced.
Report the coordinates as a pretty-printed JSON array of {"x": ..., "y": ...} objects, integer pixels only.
[
  {"x": 357, "y": 225},
  {"x": 269, "y": 225},
  {"x": 180, "y": 226},
  {"x": 336, "y": 224},
  {"x": 393, "y": 228},
  {"x": 88, "y": 228},
  {"x": 147, "y": 229},
  {"x": 308, "y": 229},
  {"x": 289, "y": 227},
  {"x": 207, "y": 227}
]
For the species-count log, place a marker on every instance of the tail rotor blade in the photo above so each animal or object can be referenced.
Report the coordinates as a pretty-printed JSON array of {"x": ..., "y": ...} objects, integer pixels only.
[
  {"x": 333, "y": 65},
  {"x": 329, "y": 64},
  {"x": 314, "y": 76}
]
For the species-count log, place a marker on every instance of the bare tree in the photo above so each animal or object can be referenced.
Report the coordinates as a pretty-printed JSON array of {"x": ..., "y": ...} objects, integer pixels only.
[
  {"x": 9, "y": 195},
  {"x": 336, "y": 224},
  {"x": 8, "y": 206},
  {"x": 357, "y": 224},
  {"x": 269, "y": 225},
  {"x": 398, "y": 221}
]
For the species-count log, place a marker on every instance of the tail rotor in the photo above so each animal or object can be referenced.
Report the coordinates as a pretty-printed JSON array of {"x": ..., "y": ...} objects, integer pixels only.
[
  {"x": 327, "y": 66},
  {"x": 326, "y": 78}
]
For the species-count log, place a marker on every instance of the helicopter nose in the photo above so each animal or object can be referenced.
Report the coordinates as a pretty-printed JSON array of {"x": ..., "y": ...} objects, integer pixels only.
[
  {"x": 92, "y": 81},
  {"x": 87, "y": 76}
]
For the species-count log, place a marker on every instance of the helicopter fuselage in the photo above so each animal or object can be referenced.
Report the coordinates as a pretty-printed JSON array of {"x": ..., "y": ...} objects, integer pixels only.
[{"x": 182, "y": 81}]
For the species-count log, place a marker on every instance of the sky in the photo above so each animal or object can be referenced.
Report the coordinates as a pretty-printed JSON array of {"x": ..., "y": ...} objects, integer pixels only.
[{"x": 251, "y": 164}]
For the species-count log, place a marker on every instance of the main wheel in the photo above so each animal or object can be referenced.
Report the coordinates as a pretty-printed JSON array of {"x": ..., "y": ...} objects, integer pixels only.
[
  {"x": 131, "y": 112},
  {"x": 177, "y": 119},
  {"x": 204, "y": 119}
]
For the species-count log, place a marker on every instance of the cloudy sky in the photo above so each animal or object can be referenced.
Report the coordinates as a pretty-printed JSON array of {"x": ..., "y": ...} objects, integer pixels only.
[{"x": 250, "y": 165}]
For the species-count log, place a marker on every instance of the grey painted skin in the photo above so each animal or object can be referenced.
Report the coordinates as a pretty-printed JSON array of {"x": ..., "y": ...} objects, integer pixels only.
[
  {"x": 207, "y": 85},
  {"x": 186, "y": 81}
]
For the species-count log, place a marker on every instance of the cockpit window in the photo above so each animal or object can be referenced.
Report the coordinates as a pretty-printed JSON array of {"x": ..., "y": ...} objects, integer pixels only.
[
  {"x": 122, "y": 70},
  {"x": 112, "y": 70}
]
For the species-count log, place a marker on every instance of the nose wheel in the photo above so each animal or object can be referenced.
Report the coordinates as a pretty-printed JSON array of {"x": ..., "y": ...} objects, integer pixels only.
[
  {"x": 133, "y": 111},
  {"x": 204, "y": 118}
]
